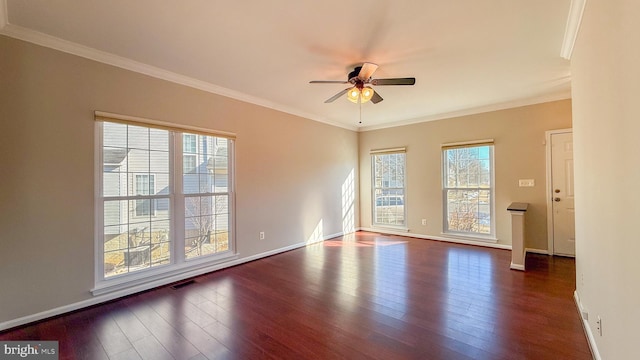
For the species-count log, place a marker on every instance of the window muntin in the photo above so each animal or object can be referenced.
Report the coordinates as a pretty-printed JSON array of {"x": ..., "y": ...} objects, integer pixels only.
[
  {"x": 139, "y": 207},
  {"x": 388, "y": 189},
  {"x": 468, "y": 190}
]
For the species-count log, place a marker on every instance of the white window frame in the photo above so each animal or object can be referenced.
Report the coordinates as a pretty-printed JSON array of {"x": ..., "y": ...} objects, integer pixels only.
[
  {"x": 374, "y": 223},
  {"x": 491, "y": 237},
  {"x": 178, "y": 268}
]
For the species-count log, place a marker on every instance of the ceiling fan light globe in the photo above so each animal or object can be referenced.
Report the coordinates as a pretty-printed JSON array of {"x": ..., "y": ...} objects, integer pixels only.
[
  {"x": 366, "y": 94},
  {"x": 353, "y": 95}
]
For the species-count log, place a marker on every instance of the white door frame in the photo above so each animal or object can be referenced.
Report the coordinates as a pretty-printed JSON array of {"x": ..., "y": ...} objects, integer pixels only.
[{"x": 549, "y": 194}]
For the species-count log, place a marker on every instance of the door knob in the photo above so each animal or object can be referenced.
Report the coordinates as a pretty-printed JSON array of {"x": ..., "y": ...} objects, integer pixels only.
[
  {"x": 557, "y": 191},
  {"x": 556, "y": 199}
]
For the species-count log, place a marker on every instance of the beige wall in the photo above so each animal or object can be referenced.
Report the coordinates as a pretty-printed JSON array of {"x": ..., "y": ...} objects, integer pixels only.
[
  {"x": 519, "y": 135},
  {"x": 290, "y": 170},
  {"x": 606, "y": 87}
]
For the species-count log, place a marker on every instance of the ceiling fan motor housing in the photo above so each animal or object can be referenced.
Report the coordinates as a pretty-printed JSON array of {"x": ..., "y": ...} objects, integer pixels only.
[{"x": 354, "y": 74}]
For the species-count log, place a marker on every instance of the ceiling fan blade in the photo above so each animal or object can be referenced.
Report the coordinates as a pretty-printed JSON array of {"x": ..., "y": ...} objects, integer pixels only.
[
  {"x": 376, "y": 98},
  {"x": 366, "y": 71},
  {"x": 334, "y": 97},
  {"x": 328, "y": 82},
  {"x": 394, "y": 81}
]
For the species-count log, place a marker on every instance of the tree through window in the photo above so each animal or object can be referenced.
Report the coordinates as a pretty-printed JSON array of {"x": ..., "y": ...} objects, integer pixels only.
[{"x": 206, "y": 190}]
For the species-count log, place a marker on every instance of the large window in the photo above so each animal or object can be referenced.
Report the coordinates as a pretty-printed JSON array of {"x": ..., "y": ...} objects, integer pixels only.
[
  {"x": 388, "y": 168},
  {"x": 165, "y": 199},
  {"x": 468, "y": 189}
]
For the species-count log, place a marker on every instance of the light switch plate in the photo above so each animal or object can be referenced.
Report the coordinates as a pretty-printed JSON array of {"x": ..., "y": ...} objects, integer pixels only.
[{"x": 526, "y": 182}]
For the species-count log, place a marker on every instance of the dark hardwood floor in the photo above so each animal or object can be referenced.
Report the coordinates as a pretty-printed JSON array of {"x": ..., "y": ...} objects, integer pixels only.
[{"x": 367, "y": 296}]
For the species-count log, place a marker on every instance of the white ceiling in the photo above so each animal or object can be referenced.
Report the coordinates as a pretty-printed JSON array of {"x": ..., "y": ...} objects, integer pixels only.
[{"x": 468, "y": 56}]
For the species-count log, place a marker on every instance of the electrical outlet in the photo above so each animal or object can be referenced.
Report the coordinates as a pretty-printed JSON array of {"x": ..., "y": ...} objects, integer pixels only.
[
  {"x": 585, "y": 315},
  {"x": 599, "y": 326},
  {"x": 424, "y": 222},
  {"x": 261, "y": 235}
]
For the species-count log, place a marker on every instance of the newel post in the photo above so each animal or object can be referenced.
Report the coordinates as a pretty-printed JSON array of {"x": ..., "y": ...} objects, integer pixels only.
[{"x": 517, "y": 211}]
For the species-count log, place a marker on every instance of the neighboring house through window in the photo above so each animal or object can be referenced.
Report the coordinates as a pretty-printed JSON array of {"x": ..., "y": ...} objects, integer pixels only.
[
  {"x": 190, "y": 150},
  {"x": 468, "y": 188},
  {"x": 145, "y": 185},
  {"x": 388, "y": 190}
]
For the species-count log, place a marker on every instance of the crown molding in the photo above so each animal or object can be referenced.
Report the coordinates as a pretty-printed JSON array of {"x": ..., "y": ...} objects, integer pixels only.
[
  {"x": 563, "y": 95},
  {"x": 576, "y": 10},
  {"x": 4, "y": 15},
  {"x": 38, "y": 38}
]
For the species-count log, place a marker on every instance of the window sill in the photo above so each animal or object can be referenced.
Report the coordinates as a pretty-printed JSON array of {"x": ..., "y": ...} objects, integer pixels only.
[
  {"x": 390, "y": 227},
  {"x": 478, "y": 238},
  {"x": 163, "y": 275}
]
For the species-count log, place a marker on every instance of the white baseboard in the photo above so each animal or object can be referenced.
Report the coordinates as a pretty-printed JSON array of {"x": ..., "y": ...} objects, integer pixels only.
[
  {"x": 516, "y": 267},
  {"x": 536, "y": 251},
  {"x": 326, "y": 237},
  {"x": 129, "y": 291},
  {"x": 587, "y": 329},
  {"x": 438, "y": 238}
]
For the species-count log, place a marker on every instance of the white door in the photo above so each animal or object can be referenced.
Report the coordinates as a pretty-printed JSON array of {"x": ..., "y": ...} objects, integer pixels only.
[{"x": 562, "y": 194}]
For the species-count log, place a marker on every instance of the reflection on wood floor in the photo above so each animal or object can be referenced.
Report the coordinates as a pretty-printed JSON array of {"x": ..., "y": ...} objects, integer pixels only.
[{"x": 364, "y": 296}]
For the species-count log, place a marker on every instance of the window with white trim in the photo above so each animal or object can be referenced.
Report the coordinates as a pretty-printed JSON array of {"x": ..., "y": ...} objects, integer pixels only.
[
  {"x": 388, "y": 190},
  {"x": 468, "y": 188},
  {"x": 155, "y": 215}
]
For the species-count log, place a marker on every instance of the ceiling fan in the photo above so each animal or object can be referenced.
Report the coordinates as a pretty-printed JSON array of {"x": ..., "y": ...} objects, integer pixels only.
[{"x": 360, "y": 79}]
